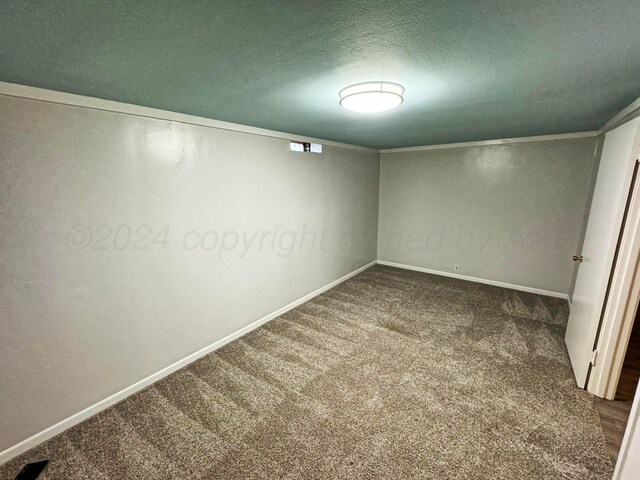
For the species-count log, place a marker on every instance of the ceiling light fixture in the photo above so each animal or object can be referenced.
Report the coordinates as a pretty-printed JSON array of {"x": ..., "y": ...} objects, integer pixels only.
[{"x": 371, "y": 97}]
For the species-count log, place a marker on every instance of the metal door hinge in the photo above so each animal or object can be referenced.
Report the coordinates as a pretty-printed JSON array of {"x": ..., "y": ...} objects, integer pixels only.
[{"x": 594, "y": 356}]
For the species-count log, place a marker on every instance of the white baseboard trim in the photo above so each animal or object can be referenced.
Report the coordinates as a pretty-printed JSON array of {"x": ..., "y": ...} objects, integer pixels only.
[
  {"x": 477, "y": 280},
  {"x": 69, "y": 422}
]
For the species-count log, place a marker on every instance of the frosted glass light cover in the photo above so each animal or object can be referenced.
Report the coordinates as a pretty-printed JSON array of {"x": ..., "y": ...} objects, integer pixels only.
[{"x": 371, "y": 97}]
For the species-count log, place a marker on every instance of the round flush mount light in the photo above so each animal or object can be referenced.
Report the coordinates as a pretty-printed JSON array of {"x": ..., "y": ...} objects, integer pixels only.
[{"x": 371, "y": 97}]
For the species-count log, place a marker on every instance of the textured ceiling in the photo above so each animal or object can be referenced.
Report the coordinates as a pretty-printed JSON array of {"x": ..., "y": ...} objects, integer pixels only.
[{"x": 473, "y": 70}]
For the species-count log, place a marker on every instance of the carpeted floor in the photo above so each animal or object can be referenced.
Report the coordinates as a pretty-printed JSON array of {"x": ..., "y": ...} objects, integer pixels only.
[{"x": 391, "y": 375}]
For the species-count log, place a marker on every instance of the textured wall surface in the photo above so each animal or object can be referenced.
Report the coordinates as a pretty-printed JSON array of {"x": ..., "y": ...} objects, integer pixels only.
[
  {"x": 510, "y": 213},
  {"x": 129, "y": 243},
  {"x": 474, "y": 69}
]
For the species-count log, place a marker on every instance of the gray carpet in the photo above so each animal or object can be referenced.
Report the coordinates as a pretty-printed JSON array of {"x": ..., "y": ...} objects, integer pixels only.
[{"x": 393, "y": 374}]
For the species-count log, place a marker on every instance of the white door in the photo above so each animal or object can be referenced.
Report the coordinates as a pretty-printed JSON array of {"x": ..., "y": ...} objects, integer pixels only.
[{"x": 603, "y": 229}]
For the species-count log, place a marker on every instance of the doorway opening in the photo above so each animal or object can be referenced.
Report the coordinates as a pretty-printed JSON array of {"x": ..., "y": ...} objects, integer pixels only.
[
  {"x": 614, "y": 414},
  {"x": 630, "y": 373}
]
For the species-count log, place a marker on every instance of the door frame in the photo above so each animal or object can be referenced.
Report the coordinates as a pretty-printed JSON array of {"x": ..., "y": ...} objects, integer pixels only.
[
  {"x": 622, "y": 299},
  {"x": 627, "y": 464}
]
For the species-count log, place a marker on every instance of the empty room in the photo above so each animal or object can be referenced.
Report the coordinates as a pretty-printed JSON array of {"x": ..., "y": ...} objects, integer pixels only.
[{"x": 350, "y": 239}]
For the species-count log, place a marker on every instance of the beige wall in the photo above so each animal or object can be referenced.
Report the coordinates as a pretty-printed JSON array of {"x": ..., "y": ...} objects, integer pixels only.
[
  {"x": 129, "y": 243},
  {"x": 109, "y": 268},
  {"x": 509, "y": 213}
]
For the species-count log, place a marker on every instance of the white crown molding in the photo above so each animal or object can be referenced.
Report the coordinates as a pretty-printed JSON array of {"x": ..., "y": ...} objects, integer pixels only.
[
  {"x": 501, "y": 141},
  {"x": 632, "y": 110},
  {"x": 76, "y": 418},
  {"x": 63, "y": 98}
]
